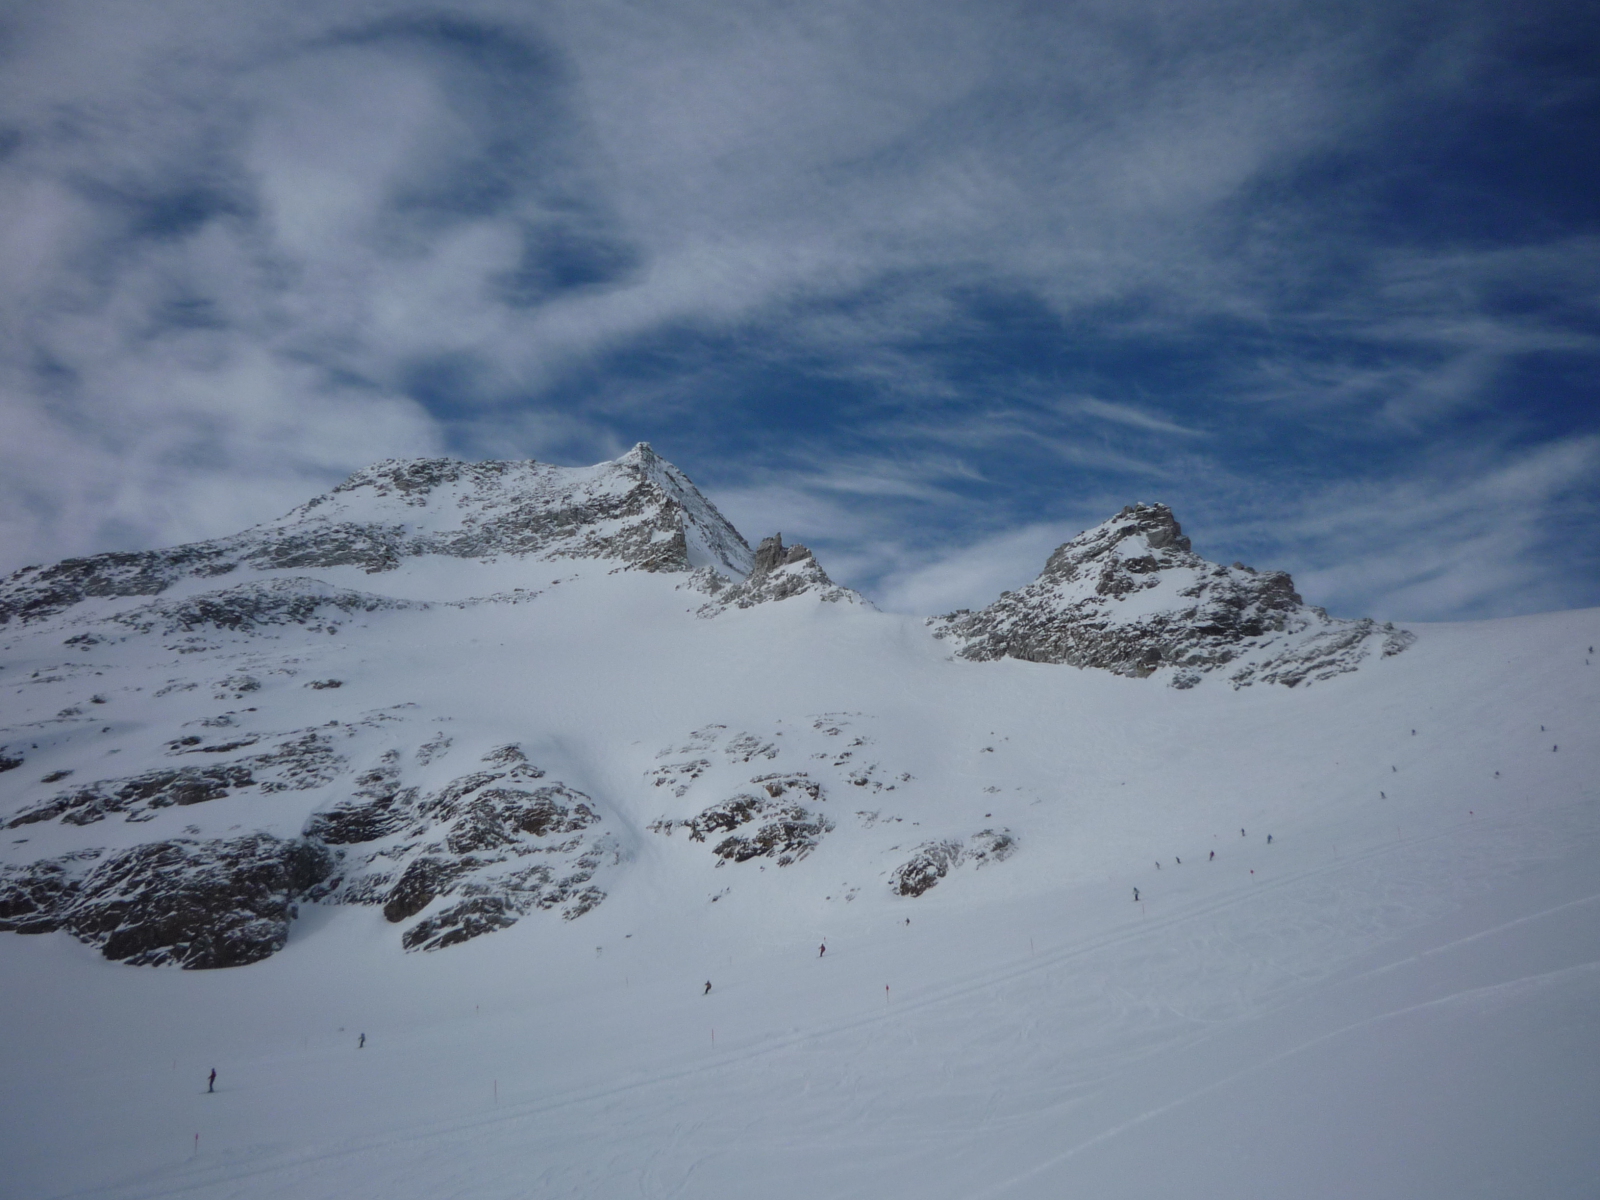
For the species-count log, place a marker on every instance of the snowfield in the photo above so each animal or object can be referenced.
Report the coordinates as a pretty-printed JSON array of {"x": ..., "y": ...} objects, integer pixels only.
[{"x": 1399, "y": 996}]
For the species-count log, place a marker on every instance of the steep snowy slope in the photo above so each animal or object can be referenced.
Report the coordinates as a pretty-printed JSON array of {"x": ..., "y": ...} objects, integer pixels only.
[{"x": 711, "y": 773}]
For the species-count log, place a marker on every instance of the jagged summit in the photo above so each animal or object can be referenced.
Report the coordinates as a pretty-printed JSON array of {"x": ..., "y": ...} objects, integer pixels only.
[
  {"x": 638, "y": 510},
  {"x": 1130, "y": 596},
  {"x": 777, "y": 572}
]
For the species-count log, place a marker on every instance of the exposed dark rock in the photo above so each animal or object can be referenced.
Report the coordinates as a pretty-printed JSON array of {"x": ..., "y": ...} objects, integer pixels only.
[
  {"x": 189, "y": 903},
  {"x": 306, "y": 761},
  {"x": 496, "y": 850},
  {"x": 931, "y": 863},
  {"x": 786, "y": 831},
  {"x": 32, "y": 897},
  {"x": 421, "y": 881},
  {"x": 138, "y": 795},
  {"x": 258, "y": 604},
  {"x": 9, "y": 761},
  {"x": 460, "y": 922},
  {"x": 370, "y": 814},
  {"x": 779, "y": 784}
]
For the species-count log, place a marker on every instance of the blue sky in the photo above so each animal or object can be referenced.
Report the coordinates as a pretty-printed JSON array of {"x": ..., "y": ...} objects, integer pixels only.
[{"x": 928, "y": 286}]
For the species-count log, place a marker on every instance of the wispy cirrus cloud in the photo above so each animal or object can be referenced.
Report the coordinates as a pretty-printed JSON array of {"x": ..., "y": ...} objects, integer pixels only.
[{"x": 936, "y": 277}]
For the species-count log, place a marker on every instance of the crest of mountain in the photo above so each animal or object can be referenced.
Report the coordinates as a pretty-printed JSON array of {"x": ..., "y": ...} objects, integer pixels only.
[
  {"x": 1130, "y": 596},
  {"x": 638, "y": 511}
]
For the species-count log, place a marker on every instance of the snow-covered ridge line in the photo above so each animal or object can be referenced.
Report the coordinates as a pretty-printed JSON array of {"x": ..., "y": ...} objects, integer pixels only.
[{"x": 637, "y": 510}]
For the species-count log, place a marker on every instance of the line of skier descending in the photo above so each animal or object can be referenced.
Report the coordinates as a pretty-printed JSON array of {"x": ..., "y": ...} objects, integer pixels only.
[{"x": 1211, "y": 857}]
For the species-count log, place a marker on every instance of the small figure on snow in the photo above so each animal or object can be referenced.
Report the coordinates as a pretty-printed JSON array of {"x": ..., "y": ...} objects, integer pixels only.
[
  {"x": 707, "y": 992},
  {"x": 1269, "y": 839},
  {"x": 1241, "y": 833},
  {"x": 1213, "y": 857},
  {"x": 361, "y": 1043},
  {"x": 1136, "y": 895},
  {"x": 1177, "y": 860},
  {"x": 211, "y": 1084},
  {"x": 822, "y": 949}
]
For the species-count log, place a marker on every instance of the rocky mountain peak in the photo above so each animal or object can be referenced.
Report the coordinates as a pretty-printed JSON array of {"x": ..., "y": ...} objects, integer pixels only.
[
  {"x": 1131, "y": 596},
  {"x": 638, "y": 511},
  {"x": 777, "y": 572}
]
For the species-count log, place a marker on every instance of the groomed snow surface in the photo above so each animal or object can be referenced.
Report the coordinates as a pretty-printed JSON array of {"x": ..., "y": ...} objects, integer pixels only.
[{"x": 1399, "y": 997}]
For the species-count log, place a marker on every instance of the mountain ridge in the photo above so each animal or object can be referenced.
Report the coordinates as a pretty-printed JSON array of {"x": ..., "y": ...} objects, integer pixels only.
[{"x": 306, "y": 792}]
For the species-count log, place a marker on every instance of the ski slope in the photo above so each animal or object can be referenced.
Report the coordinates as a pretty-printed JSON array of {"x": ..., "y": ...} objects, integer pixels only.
[{"x": 1399, "y": 997}]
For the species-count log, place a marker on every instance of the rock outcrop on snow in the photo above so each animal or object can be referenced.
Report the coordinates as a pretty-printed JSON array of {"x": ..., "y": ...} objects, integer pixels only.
[
  {"x": 472, "y": 856},
  {"x": 1130, "y": 596},
  {"x": 183, "y": 902}
]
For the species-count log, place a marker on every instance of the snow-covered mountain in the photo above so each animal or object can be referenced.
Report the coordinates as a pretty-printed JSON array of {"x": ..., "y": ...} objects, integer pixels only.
[
  {"x": 1130, "y": 596},
  {"x": 571, "y": 708},
  {"x": 359, "y": 813}
]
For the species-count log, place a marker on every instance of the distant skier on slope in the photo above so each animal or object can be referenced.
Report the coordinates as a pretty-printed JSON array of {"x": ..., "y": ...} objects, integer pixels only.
[
  {"x": 707, "y": 992},
  {"x": 822, "y": 949},
  {"x": 211, "y": 1084},
  {"x": 1136, "y": 895},
  {"x": 1269, "y": 839},
  {"x": 361, "y": 1044},
  {"x": 1213, "y": 857}
]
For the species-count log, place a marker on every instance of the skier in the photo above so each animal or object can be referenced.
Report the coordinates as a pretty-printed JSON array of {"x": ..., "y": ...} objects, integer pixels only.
[
  {"x": 1177, "y": 860},
  {"x": 211, "y": 1084},
  {"x": 707, "y": 992},
  {"x": 1136, "y": 895},
  {"x": 822, "y": 949},
  {"x": 1241, "y": 833},
  {"x": 362, "y": 1044},
  {"x": 1269, "y": 839},
  {"x": 1158, "y": 864},
  {"x": 1213, "y": 857}
]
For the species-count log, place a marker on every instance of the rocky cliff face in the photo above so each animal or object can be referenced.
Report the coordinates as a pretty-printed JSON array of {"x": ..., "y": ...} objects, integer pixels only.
[{"x": 1131, "y": 597}]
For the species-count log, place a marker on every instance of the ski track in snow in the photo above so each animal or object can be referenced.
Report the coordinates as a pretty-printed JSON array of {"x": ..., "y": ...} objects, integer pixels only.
[{"x": 671, "y": 1168}]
